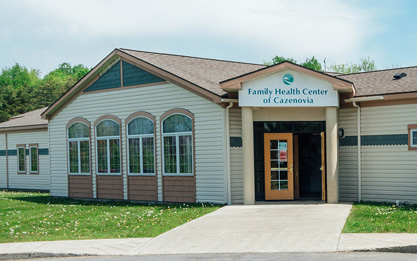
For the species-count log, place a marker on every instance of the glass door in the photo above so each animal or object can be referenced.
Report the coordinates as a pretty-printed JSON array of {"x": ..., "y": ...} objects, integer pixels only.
[{"x": 279, "y": 180}]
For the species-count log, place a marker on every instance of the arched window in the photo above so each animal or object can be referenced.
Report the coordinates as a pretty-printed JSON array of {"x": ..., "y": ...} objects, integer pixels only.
[
  {"x": 141, "y": 152},
  {"x": 177, "y": 133},
  {"x": 108, "y": 147},
  {"x": 79, "y": 148}
]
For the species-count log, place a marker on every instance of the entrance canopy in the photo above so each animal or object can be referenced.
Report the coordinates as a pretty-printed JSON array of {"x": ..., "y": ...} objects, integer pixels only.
[{"x": 287, "y": 85}]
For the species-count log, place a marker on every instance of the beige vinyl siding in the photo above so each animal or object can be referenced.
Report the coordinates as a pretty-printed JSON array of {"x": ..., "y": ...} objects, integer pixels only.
[
  {"x": 236, "y": 157},
  {"x": 3, "y": 173},
  {"x": 348, "y": 120},
  {"x": 348, "y": 157},
  {"x": 348, "y": 173},
  {"x": 388, "y": 119},
  {"x": 156, "y": 100},
  {"x": 29, "y": 181},
  {"x": 389, "y": 173}
]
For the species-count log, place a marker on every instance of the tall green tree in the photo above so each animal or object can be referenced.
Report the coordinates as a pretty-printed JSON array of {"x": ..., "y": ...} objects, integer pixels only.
[
  {"x": 17, "y": 85},
  {"x": 22, "y": 90},
  {"x": 55, "y": 83}
]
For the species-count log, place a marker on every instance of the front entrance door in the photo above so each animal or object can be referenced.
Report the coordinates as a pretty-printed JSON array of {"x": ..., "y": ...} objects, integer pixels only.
[{"x": 279, "y": 180}]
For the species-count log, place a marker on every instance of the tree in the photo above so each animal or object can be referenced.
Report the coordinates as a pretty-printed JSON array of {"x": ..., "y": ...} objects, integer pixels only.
[
  {"x": 17, "y": 85},
  {"x": 365, "y": 65},
  {"x": 55, "y": 83},
  {"x": 22, "y": 90},
  {"x": 312, "y": 63},
  {"x": 279, "y": 59}
]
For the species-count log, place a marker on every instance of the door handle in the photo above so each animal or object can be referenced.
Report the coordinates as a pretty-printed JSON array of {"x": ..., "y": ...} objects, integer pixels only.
[{"x": 291, "y": 169}]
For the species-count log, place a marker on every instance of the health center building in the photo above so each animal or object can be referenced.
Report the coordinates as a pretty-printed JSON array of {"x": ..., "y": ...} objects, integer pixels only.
[{"x": 156, "y": 127}]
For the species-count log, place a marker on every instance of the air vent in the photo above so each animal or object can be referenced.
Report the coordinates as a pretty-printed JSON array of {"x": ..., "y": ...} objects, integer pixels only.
[{"x": 399, "y": 75}]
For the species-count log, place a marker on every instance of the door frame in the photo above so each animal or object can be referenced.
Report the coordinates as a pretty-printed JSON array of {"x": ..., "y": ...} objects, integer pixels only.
[
  {"x": 287, "y": 194},
  {"x": 323, "y": 166}
]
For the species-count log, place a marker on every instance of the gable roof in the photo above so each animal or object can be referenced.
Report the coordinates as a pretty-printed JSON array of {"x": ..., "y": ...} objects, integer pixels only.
[
  {"x": 199, "y": 75},
  {"x": 235, "y": 83},
  {"x": 203, "y": 72},
  {"x": 28, "y": 120},
  {"x": 383, "y": 82}
]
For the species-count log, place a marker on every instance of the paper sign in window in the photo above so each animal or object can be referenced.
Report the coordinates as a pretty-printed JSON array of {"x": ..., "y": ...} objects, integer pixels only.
[{"x": 283, "y": 155}]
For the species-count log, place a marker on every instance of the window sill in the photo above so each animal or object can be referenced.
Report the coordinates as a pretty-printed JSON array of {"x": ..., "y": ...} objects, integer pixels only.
[
  {"x": 178, "y": 175},
  {"x": 108, "y": 174},
  {"x": 142, "y": 174},
  {"x": 79, "y": 174},
  {"x": 21, "y": 173},
  {"x": 34, "y": 173}
]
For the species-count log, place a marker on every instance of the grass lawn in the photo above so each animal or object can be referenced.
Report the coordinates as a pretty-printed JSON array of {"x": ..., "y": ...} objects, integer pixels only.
[
  {"x": 381, "y": 218},
  {"x": 27, "y": 216}
]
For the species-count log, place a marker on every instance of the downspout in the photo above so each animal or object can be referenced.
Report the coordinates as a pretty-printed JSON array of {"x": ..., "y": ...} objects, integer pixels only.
[
  {"x": 7, "y": 163},
  {"x": 354, "y": 102},
  {"x": 359, "y": 152},
  {"x": 227, "y": 127}
]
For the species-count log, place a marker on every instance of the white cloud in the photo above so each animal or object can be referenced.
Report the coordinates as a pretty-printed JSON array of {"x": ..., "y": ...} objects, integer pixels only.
[{"x": 297, "y": 28}]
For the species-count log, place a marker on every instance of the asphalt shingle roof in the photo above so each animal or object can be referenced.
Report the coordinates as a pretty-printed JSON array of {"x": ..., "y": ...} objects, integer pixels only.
[
  {"x": 383, "y": 82},
  {"x": 206, "y": 73},
  {"x": 31, "y": 118}
]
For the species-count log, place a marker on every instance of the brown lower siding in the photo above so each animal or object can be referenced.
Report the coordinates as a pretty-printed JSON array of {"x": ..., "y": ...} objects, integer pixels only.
[
  {"x": 143, "y": 188},
  {"x": 179, "y": 189},
  {"x": 109, "y": 187},
  {"x": 80, "y": 186}
]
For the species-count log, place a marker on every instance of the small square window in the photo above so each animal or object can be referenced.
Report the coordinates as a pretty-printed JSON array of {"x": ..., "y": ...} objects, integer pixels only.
[
  {"x": 21, "y": 159},
  {"x": 412, "y": 136}
]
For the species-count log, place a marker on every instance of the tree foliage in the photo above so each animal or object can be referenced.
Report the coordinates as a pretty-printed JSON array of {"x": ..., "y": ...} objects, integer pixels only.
[
  {"x": 365, "y": 65},
  {"x": 23, "y": 90}
]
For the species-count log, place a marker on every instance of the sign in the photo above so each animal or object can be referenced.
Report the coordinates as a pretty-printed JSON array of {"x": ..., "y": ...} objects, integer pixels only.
[
  {"x": 282, "y": 146},
  {"x": 282, "y": 155},
  {"x": 288, "y": 89}
]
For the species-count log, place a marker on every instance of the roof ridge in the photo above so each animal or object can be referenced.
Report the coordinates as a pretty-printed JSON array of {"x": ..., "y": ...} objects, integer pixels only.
[
  {"x": 382, "y": 70},
  {"x": 194, "y": 57}
]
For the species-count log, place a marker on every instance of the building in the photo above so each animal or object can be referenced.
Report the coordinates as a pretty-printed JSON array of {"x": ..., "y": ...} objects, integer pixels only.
[{"x": 158, "y": 127}]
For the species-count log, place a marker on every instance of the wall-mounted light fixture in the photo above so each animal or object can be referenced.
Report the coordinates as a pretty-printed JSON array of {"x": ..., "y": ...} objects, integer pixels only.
[{"x": 341, "y": 133}]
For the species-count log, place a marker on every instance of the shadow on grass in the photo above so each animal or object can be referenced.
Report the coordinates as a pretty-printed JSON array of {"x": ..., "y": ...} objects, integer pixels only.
[{"x": 48, "y": 200}]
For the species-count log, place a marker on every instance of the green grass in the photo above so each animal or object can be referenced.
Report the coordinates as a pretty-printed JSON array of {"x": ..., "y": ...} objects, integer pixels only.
[
  {"x": 381, "y": 218},
  {"x": 27, "y": 216}
]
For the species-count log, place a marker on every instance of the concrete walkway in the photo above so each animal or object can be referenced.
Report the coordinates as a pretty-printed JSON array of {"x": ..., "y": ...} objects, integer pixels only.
[
  {"x": 258, "y": 228},
  {"x": 237, "y": 229}
]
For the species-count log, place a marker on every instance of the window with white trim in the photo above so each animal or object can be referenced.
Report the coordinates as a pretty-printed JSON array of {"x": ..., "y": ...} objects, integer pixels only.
[
  {"x": 413, "y": 138},
  {"x": 79, "y": 148},
  {"x": 33, "y": 159},
  {"x": 141, "y": 152},
  {"x": 21, "y": 159},
  {"x": 177, "y": 134},
  {"x": 108, "y": 147}
]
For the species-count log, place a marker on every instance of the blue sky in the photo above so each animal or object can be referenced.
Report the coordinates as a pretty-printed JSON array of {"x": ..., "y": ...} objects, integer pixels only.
[{"x": 44, "y": 33}]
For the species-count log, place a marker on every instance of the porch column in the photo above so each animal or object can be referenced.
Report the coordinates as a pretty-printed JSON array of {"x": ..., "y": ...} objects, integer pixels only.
[
  {"x": 248, "y": 154},
  {"x": 332, "y": 157}
]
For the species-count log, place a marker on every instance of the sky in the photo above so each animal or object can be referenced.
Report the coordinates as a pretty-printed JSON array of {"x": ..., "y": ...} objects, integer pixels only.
[{"x": 42, "y": 34}]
